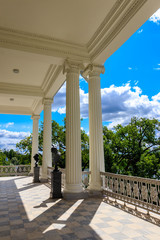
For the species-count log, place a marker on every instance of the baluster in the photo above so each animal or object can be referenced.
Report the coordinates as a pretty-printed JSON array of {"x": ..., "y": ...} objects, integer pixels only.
[
  {"x": 121, "y": 186},
  {"x": 128, "y": 188},
  {"x": 111, "y": 184},
  {"x": 144, "y": 192},
  {"x": 116, "y": 185},
  {"x": 154, "y": 194},
  {"x": 136, "y": 190}
]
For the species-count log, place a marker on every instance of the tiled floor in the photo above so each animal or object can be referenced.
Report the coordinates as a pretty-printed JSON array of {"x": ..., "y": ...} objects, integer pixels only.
[{"x": 26, "y": 212}]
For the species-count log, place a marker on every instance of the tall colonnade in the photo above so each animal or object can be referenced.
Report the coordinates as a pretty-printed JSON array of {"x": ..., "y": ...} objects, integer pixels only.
[{"x": 73, "y": 184}]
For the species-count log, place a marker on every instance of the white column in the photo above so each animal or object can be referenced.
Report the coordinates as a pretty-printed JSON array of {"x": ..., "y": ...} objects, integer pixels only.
[
  {"x": 35, "y": 119},
  {"x": 73, "y": 182},
  {"x": 96, "y": 152},
  {"x": 47, "y": 137}
]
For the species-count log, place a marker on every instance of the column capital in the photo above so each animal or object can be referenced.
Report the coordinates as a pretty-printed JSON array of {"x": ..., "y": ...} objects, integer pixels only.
[
  {"x": 93, "y": 70},
  {"x": 35, "y": 117},
  {"x": 72, "y": 66},
  {"x": 47, "y": 101}
]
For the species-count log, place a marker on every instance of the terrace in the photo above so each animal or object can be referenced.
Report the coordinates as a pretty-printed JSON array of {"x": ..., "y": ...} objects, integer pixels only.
[
  {"x": 28, "y": 213},
  {"x": 42, "y": 45},
  {"x": 128, "y": 209}
]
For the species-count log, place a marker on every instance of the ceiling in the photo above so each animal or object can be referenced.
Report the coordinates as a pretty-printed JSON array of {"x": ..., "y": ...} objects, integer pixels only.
[
  {"x": 69, "y": 21},
  {"x": 37, "y": 36}
]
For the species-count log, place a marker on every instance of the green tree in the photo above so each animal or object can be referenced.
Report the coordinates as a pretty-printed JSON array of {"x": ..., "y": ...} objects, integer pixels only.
[
  {"x": 58, "y": 139},
  {"x": 133, "y": 143},
  {"x": 25, "y": 145},
  {"x": 3, "y": 161},
  {"x": 15, "y": 161},
  {"x": 84, "y": 150},
  {"x": 108, "y": 136}
]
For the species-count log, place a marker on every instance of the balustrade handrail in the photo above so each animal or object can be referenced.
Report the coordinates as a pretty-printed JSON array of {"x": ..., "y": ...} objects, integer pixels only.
[
  {"x": 10, "y": 170},
  {"x": 127, "y": 177},
  {"x": 22, "y": 165},
  {"x": 141, "y": 192},
  {"x": 85, "y": 180}
]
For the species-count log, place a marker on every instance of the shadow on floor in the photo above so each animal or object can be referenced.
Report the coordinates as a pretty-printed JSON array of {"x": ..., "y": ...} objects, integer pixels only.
[{"x": 63, "y": 220}]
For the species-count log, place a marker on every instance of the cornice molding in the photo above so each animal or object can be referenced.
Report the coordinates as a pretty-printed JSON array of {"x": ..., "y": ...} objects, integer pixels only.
[
  {"x": 35, "y": 103},
  {"x": 19, "y": 40},
  {"x": 118, "y": 17},
  {"x": 107, "y": 23},
  {"x": 23, "y": 90},
  {"x": 37, "y": 106},
  {"x": 50, "y": 78}
]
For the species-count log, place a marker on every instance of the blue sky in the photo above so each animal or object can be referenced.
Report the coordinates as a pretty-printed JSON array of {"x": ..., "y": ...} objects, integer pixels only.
[{"x": 130, "y": 87}]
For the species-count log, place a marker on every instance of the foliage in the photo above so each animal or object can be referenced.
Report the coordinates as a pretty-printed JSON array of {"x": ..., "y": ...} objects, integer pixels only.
[
  {"x": 84, "y": 150},
  {"x": 11, "y": 157},
  {"x": 58, "y": 139},
  {"x": 25, "y": 145},
  {"x": 131, "y": 149},
  {"x": 2, "y": 159}
]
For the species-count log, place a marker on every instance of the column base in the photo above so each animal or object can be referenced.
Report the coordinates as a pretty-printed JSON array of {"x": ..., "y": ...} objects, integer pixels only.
[
  {"x": 72, "y": 196},
  {"x": 43, "y": 179},
  {"x": 73, "y": 188},
  {"x": 95, "y": 193},
  {"x": 95, "y": 186}
]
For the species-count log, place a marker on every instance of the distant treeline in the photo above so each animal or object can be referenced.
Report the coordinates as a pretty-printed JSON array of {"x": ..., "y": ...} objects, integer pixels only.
[{"x": 133, "y": 149}]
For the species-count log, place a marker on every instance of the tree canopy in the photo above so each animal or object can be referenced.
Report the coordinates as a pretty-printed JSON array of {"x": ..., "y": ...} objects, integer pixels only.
[{"x": 133, "y": 149}]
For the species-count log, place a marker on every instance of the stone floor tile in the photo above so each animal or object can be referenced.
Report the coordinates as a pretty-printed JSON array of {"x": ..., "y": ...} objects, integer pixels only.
[
  {"x": 30, "y": 214},
  {"x": 6, "y": 238}
]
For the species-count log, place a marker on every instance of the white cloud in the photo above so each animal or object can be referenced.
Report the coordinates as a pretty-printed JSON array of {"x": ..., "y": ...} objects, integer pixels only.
[
  {"x": 133, "y": 68},
  {"x": 137, "y": 90},
  {"x": 9, "y": 124},
  {"x": 62, "y": 110},
  {"x": 119, "y": 104},
  {"x": 8, "y": 139},
  {"x": 155, "y": 17},
  {"x": 135, "y": 82},
  {"x": 157, "y": 68},
  {"x": 140, "y": 31},
  {"x": 156, "y": 97},
  {"x": 59, "y": 103}
]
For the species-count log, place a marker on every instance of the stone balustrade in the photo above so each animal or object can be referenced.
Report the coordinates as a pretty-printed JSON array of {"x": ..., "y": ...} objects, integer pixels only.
[
  {"x": 85, "y": 176},
  {"x": 14, "y": 170},
  {"x": 141, "y": 192}
]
